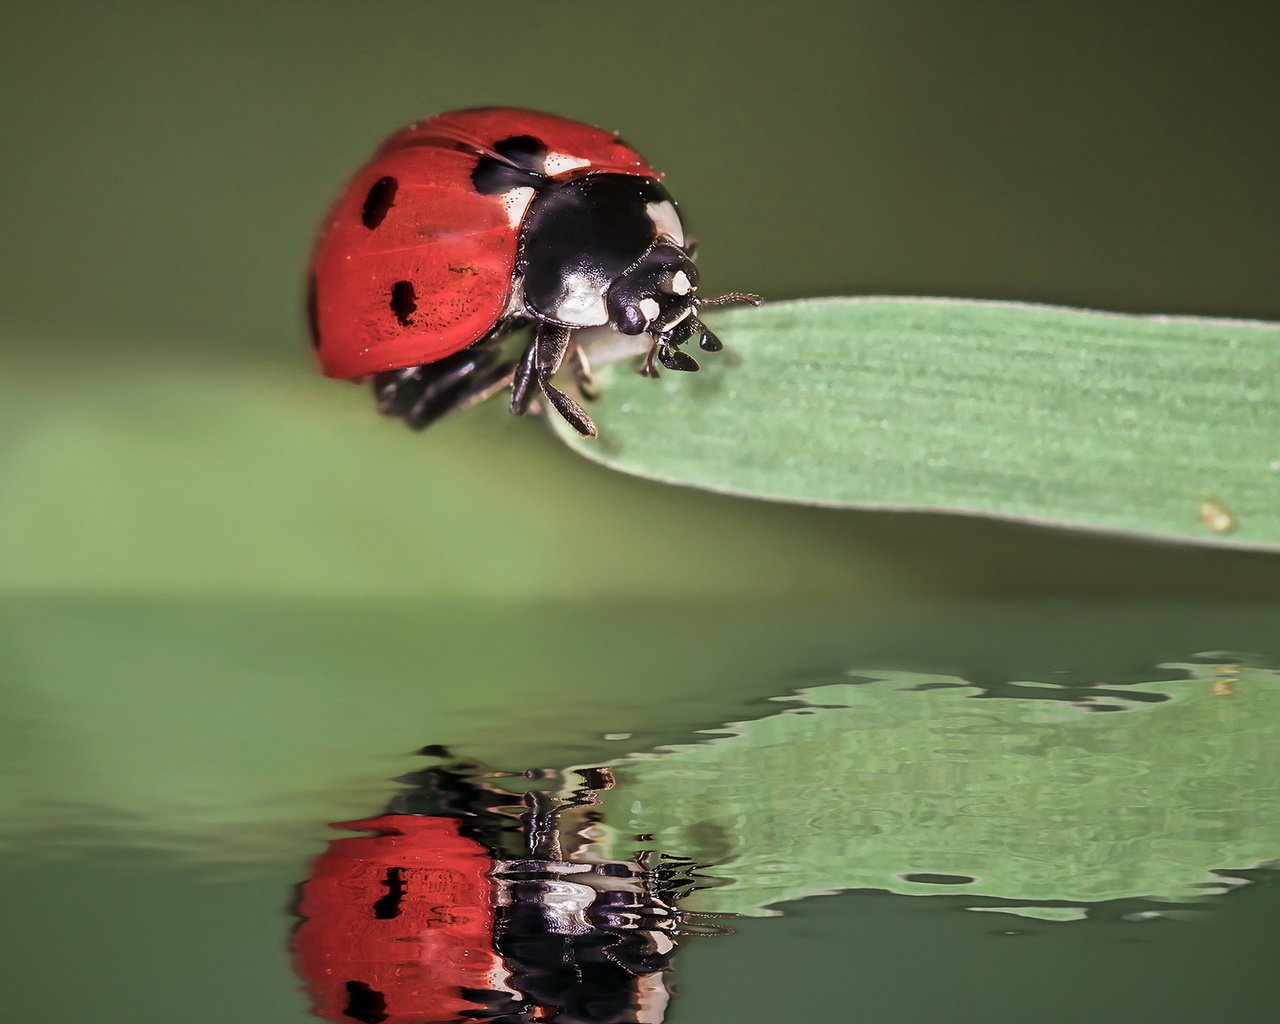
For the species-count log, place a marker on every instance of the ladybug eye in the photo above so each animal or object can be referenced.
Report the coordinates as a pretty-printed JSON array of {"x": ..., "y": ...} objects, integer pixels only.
[{"x": 631, "y": 320}]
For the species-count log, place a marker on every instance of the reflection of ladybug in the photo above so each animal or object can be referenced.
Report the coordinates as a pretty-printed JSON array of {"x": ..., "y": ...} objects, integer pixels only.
[
  {"x": 434, "y": 919},
  {"x": 470, "y": 224},
  {"x": 396, "y": 924}
]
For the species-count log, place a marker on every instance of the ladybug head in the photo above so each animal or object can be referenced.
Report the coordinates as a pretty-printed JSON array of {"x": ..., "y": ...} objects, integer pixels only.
[
  {"x": 658, "y": 294},
  {"x": 654, "y": 294}
]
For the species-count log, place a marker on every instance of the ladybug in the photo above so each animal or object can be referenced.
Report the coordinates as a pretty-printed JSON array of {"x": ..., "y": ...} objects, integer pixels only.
[{"x": 471, "y": 224}]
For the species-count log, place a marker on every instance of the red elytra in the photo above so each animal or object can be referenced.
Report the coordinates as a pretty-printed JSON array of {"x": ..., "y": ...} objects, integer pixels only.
[
  {"x": 414, "y": 218},
  {"x": 396, "y": 924}
]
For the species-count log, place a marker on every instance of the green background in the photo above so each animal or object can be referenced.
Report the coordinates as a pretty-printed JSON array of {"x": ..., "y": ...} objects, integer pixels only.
[
  {"x": 166, "y": 164},
  {"x": 233, "y": 598}
]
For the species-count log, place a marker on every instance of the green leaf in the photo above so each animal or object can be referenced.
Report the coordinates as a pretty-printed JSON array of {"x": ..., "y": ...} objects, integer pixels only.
[{"x": 1165, "y": 426}]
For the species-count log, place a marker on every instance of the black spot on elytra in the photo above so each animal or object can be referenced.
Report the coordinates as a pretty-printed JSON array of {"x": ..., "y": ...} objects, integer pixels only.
[
  {"x": 381, "y": 198},
  {"x": 387, "y": 907},
  {"x": 522, "y": 165},
  {"x": 524, "y": 151},
  {"x": 404, "y": 302},
  {"x": 313, "y": 317},
  {"x": 365, "y": 1004}
]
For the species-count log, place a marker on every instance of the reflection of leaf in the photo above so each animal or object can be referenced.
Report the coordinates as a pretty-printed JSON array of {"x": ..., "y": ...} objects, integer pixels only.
[
  {"x": 234, "y": 728},
  {"x": 1158, "y": 425},
  {"x": 1036, "y": 801}
]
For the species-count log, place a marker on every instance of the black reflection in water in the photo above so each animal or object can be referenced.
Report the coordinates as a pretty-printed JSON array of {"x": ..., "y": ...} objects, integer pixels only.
[{"x": 469, "y": 903}]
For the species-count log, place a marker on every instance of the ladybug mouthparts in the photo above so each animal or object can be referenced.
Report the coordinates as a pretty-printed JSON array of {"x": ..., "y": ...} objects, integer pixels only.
[{"x": 669, "y": 336}]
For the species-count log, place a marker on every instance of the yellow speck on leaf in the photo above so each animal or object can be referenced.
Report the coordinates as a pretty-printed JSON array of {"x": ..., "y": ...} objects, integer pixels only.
[{"x": 1217, "y": 517}]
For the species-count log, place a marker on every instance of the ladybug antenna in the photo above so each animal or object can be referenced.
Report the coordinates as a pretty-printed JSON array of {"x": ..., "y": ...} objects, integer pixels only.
[{"x": 730, "y": 298}]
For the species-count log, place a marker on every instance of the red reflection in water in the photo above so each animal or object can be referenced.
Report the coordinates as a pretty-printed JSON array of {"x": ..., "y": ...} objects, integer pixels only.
[
  {"x": 396, "y": 925},
  {"x": 458, "y": 910}
]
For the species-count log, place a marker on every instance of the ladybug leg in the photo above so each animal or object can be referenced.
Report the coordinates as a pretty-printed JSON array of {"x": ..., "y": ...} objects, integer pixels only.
[
  {"x": 420, "y": 395},
  {"x": 646, "y": 368},
  {"x": 582, "y": 372},
  {"x": 551, "y": 342},
  {"x": 522, "y": 382},
  {"x": 485, "y": 387}
]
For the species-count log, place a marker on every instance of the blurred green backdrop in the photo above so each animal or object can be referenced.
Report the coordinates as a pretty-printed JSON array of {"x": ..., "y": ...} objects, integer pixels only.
[{"x": 166, "y": 164}]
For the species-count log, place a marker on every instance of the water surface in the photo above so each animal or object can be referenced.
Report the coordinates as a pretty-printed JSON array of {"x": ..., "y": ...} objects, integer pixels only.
[{"x": 1033, "y": 809}]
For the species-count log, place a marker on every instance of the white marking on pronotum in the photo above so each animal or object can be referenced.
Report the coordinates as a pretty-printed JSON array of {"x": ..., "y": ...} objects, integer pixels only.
[
  {"x": 680, "y": 284},
  {"x": 649, "y": 309},
  {"x": 514, "y": 202},
  {"x": 666, "y": 220},
  {"x": 558, "y": 163},
  {"x": 583, "y": 302}
]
